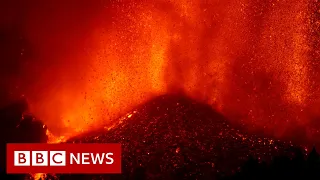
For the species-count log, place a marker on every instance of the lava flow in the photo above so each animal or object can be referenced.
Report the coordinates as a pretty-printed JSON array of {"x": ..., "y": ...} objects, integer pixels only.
[{"x": 255, "y": 61}]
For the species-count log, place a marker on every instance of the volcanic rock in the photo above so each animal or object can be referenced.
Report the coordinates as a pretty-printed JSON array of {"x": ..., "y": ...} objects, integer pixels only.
[{"x": 173, "y": 137}]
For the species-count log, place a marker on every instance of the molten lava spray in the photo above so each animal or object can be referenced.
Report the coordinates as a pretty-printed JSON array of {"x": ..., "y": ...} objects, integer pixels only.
[{"x": 253, "y": 60}]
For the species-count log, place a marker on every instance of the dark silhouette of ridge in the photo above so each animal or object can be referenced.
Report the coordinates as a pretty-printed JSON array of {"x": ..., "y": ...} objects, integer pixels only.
[
  {"x": 18, "y": 127},
  {"x": 282, "y": 167}
]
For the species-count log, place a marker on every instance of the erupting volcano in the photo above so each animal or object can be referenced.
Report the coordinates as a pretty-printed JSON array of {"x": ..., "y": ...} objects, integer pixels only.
[
  {"x": 175, "y": 137},
  {"x": 84, "y": 64},
  {"x": 255, "y": 61},
  {"x": 242, "y": 73}
]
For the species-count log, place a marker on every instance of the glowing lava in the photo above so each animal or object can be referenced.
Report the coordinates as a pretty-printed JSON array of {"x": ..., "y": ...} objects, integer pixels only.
[{"x": 250, "y": 59}]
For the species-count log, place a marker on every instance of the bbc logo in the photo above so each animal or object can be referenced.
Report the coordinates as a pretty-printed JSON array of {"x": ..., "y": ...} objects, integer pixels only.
[
  {"x": 39, "y": 158},
  {"x": 63, "y": 158}
]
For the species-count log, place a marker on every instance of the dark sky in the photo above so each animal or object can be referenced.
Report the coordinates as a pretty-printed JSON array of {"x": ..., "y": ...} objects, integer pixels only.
[
  {"x": 12, "y": 22},
  {"x": 28, "y": 29}
]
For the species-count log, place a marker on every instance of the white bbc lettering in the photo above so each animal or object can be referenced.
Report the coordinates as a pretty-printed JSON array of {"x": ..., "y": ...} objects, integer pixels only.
[
  {"x": 21, "y": 158},
  {"x": 91, "y": 158},
  {"x": 85, "y": 158},
  {"x": 74, "y": 158},
  {"x": 39, "y": 158},
  {"x": 109, "y": 158},
  {"x": 100, "y": 158},
  {"x": 57, "y": 158},
  {"x": 97, "y": 158}
]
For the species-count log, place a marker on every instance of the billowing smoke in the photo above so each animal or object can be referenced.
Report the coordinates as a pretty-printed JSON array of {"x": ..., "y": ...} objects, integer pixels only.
[{"x": 253, "y": 60}]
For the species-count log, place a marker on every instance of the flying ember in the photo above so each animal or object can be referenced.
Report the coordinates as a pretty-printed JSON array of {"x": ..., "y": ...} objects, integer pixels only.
[{"x": 256, "y": 62}]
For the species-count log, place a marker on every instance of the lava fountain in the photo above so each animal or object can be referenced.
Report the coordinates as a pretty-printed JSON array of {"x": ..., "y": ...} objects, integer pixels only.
[{"x": 253, "y": 60}]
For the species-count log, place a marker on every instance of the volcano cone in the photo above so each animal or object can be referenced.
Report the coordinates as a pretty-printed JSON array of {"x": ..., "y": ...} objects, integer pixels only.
[{"x": 175, "y": 137}]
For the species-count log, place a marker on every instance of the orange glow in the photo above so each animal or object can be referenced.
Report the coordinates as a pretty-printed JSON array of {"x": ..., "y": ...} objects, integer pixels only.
[
  {"x": 249, "y": 59},
  {"x": 54, "y": 139},
  {"x": 38, "y": 176}
]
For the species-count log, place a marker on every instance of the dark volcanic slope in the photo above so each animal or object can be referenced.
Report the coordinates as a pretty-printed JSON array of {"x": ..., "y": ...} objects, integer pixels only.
[{"x": 172, "y": 135}]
